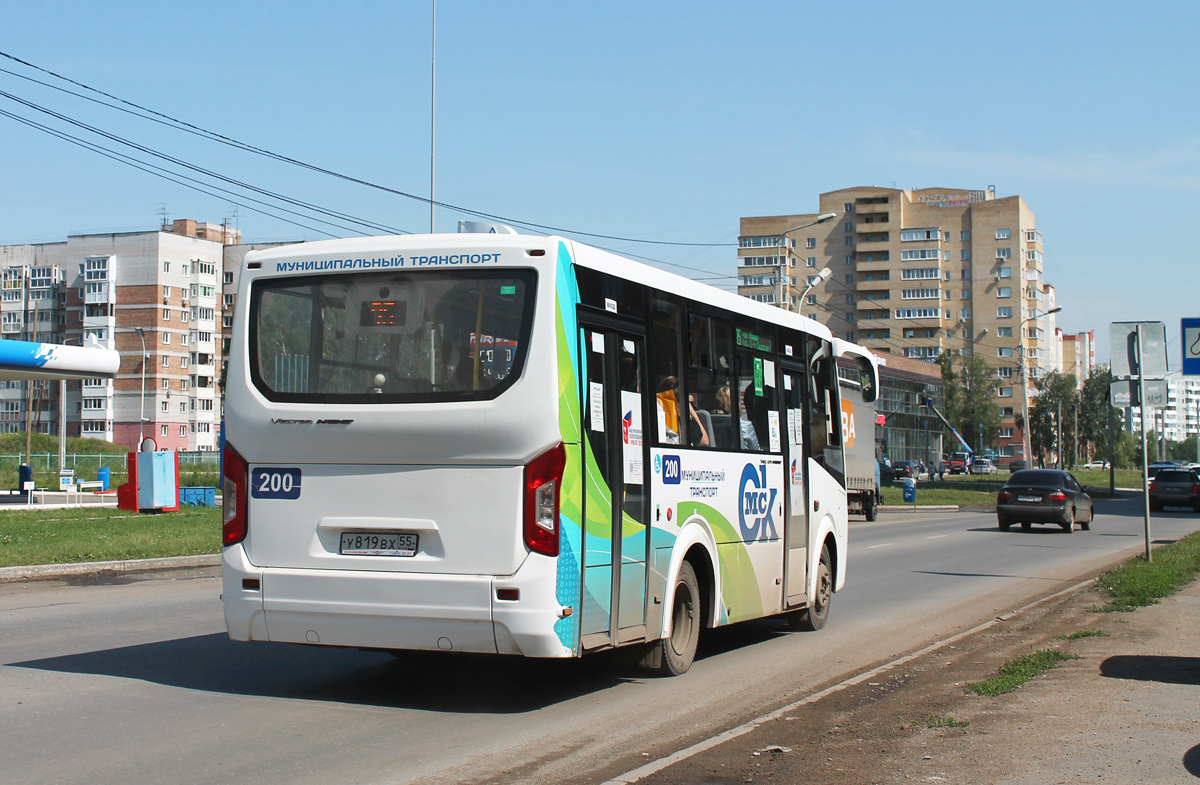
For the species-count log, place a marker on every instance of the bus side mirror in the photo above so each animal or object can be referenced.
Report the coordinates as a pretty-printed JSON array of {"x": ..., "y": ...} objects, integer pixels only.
[{"x": 867, "y": 379}]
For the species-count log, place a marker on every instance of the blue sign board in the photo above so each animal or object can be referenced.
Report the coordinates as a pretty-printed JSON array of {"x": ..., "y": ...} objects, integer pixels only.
[{"x": 1190, "y": 328}]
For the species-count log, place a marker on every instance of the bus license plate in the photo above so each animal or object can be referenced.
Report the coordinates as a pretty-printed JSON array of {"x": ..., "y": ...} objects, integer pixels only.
[
  {"x": 1029, "y": 498},
  {"x": 378, "y": 544}
]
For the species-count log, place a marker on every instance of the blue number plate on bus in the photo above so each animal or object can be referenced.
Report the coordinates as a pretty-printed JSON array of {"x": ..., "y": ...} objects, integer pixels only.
[{"x": 275, "y": 483}]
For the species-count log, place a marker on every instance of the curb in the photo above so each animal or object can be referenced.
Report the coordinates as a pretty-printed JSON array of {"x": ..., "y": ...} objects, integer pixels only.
[
  {"x": 43, "y": 571},
  {"x": 921, "y": 507}
]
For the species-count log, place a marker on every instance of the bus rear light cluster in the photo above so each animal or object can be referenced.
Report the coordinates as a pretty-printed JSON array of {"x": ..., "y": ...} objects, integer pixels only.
[
  {"x": 234, "y": 524},
  {"x": 543, "y": 485}
]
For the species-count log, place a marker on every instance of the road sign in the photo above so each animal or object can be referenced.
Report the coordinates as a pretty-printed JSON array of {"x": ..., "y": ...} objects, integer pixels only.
[
  {"x": 1191, "y": 346},
  {"x": 1122, "y": 342},
  {"x": 1124, "y": 393}
]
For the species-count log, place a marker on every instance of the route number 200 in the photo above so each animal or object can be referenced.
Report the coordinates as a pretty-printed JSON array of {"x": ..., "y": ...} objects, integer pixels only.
[{"x": 275, "y": 483}]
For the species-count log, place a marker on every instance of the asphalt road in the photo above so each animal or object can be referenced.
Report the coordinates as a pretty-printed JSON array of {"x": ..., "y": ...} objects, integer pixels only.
[{"x": 136, "y": 682}]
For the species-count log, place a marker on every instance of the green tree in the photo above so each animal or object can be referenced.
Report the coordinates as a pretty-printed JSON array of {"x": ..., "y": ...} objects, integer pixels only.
[
  {"x": 970, "y": 398},
  {"x": 1183, "y": 451},
  {"x": 1057, "y": 393},
  {"x": 1094, "y": 412}
]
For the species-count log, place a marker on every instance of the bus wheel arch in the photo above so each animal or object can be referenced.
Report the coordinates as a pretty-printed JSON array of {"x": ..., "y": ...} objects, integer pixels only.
[{"x": 816, "y": 614}]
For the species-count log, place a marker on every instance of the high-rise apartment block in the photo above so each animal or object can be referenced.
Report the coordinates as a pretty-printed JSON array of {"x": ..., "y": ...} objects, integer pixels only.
[
  {"x": 917, "y": 273},
  {"x": 155, "y": 297}
]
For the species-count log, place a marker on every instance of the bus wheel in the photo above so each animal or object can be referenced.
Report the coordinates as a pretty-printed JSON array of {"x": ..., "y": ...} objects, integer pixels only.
[
  {"x": 679, "y": 650},
  {"x": 818, "y": 608},
  {"x": 870, "y": 509}
]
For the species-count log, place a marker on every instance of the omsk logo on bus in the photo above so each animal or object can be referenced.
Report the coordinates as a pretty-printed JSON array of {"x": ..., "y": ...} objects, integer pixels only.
[
  {"x": 847, "y": 423},
  {"x": 797, "y": 475},
  {"x": 757, "y": 505},
  {"x": 670, "y": 469}
]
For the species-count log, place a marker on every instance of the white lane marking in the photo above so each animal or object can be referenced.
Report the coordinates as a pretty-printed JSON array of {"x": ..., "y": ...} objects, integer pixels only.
[
  {"x": 937, "y": 536},
  {"x": 683, "y": 754},
  {"x": 881, "y": 545}
]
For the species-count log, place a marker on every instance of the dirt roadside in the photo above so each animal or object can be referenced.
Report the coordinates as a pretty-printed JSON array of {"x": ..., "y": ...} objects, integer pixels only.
[{"x": 1127, "y": 711}]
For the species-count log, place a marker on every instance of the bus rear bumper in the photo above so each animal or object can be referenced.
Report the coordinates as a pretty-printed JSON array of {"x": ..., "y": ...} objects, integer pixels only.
[{"x": 413, "y": 611}]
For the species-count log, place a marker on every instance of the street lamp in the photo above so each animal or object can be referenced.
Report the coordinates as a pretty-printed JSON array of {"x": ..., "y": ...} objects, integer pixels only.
[
  {"x": 820, "y": 277},
  {"x": 1025, "y": 380},
  {"x": 142, "y": 411},
  {"x": 782, "y": 300}
]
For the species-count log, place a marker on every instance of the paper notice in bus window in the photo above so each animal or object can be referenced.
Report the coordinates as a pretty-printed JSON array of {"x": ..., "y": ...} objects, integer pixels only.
[
  {"x": 769, "y": 373},
  {"x": 787, "y": 381},
  {"x": 598, "y": 343},
  {"x": 773, "y": 428},
  {"x": 631, "y": 436},
  {"x": 596, "y": 405},
  {"x": 791, "y": 425}
]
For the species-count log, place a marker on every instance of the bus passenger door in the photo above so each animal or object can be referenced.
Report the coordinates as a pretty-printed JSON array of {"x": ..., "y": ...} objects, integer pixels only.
[
  {"x": 796, "y": 504},
  {"x": 616, "y": 537}
]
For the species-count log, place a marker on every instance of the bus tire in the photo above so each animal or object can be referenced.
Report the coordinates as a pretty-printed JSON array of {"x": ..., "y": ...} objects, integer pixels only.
[
  {"x": 870, "y": 509},
  {"x": 815, "y": 616},
  {"x": 679, "y": 649}
]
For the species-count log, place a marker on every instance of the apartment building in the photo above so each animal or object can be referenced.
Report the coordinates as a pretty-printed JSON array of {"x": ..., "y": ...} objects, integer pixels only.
[
  {"x": 154, "y": 296},
  {"x": 915, "y": 273},
  {"x": 32, "y": 308},
  {"x": 1078, "y": 354},
  {"x": 1179, "y": 420}
]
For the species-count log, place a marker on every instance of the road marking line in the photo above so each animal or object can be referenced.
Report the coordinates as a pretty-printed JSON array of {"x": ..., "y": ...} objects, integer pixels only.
[
  {"x": 883, "y": 545},
  {"x": 937, "y": 536},
  {"x": 707, "y": 744}
]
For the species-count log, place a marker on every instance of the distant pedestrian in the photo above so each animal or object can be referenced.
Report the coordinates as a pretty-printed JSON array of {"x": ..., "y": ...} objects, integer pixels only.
[{"x": 941, "y": 470}]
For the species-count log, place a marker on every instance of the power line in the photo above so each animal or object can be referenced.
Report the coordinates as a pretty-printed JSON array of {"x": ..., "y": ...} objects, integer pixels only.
[{"x": 212, "y": 135}]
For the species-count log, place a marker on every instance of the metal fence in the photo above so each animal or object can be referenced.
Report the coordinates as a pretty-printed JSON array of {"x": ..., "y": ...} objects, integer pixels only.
[{"x": 85, "y": 466}]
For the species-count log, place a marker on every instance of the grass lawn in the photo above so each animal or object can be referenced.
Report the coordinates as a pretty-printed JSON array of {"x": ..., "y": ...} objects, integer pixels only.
[
  {"x": 94, "y": 534},
  {"x": 1138, "y": 582},
  {"x": 962, "y": 494}
]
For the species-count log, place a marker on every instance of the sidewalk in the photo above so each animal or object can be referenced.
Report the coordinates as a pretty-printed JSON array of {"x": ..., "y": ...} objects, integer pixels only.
[{"x": 1127, "y": 711}]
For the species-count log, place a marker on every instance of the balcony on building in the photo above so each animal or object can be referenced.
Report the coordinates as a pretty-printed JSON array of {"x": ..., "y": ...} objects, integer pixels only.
[
  {"x": 872, "y": 224},
  {"x": 96, "y": 292},
  {"x": 867, "y": 207}
]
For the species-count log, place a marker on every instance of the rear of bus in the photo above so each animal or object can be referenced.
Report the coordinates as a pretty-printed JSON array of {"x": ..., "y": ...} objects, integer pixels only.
[{"x": 393, "y": 451}]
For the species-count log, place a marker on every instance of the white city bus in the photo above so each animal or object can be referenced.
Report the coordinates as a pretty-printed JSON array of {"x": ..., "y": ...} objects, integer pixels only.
[{"x": 522, "y": 445}]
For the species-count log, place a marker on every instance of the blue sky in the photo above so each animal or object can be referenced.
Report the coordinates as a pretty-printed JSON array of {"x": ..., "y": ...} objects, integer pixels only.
[{"x": 661, "y": 121}]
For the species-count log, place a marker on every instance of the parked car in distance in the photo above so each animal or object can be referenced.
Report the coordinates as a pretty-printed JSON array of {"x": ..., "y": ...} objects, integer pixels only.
[
  {"x": 1043, "y": 496},
  {"x": 886, "y": 473},
  {"x": 1017, "y": 465},
  {"x": 904, "y": 469},
  {"x": 983, "y": 466},
  {"x": 1096, "y": 465},
  {"x": 1175, "y": 488}
]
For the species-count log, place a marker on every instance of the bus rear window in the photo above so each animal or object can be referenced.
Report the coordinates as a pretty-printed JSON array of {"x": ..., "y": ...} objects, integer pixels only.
[{"x": 390, "y": 337}]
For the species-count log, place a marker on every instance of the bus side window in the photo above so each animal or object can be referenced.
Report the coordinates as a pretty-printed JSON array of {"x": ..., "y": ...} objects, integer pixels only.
[
  {"x": 663, "y": 337},
  {"x": 710, "y": 345}
]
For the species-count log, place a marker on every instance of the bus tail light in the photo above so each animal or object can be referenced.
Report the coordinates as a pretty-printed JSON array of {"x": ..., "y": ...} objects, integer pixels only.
[
  {"x": 543, "y": 484},
  {"x": 1057, "y": 496},
  {"x": 233, "y": 504}
]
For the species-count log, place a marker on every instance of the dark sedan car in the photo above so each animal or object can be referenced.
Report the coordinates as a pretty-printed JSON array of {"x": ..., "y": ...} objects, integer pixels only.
[
  {"x": 1175, "y": 488},
  {"x": 1018, "y": 465},
  {"x": 1043, "y": 496},
  {"x": 904, "y": 469}
]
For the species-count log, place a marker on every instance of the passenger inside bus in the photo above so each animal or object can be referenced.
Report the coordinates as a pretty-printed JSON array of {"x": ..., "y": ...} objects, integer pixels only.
[{"x": 668, "y": 405}]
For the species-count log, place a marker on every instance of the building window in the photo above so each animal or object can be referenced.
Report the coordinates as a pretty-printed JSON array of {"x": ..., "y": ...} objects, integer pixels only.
[
  {"x": 166, "y": 338},
  {"x": 183, "y": 317},
  {"x": 166, "y": 361},
  {"x": 921, "y": 294},
  {"x": 965, "y": 236},
  {"x": 1004, "y": 291},
  {"x": 166, "y": 315},
  {"x": 182, "y": 431},
  {"x": 166, "y": 384},
  {"x": 965, "y": 256},
  {"x": 849, "y": 277},
  {"x": 227, "y": 300},
  {"x": 162, "y": 406},
  {"x": 966, "y": 275},
  {"x": 1004, "y": 351},
  {"x": 920, "y": 273},
  {"x": 811, "y": 299},
  {"x": 810, "y": 242},
  {"x": 966, "y": 313},
  {"x": 227, "y": 279},
  {"x": 1003, "y": 234},
  {"x": 227, "y": 320},
  {"x": 1004, "y": 332},
  {"x": 1007, "y": 432},
  {"x": 848, "y": 207},
  {"x": 849, "y": 226},
  {"x": 1005, "y": 371},
  {"x": 166, "y": 267},
  {"x": 966, "y": 294},
  {"x": 183, "y": 362},
  {"x": 182, "y": 407},
  {"x": 920, "y": 254},
  {"x": 166, "y": 291},
  {"x": 1005, "y": 392},
  {"x": 849, "y": 241},
  {"x": 1006, "y": 411},
  {"x": 1004, "y": 313},
  {"x": 850, "y": 297},
  {"x": 909, "y": 235},
  {"x": 1003, "y": 253},
  {"x": 850, "y": 336}
]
